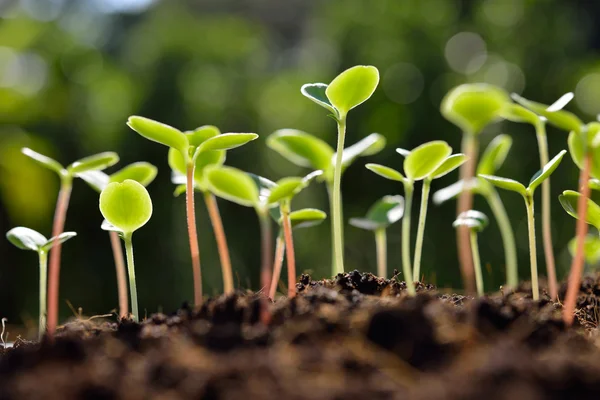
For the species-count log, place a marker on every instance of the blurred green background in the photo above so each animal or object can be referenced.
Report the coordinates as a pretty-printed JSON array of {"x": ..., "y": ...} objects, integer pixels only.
[{"x": 72, "y": 71}]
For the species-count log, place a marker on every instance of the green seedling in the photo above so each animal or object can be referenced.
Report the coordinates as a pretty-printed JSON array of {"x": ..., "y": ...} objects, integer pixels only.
[
  {"x": 348, "y": 90},
  {"x": 419, "y": 164},
  {"x": 187, "y": 150},
  {"x": 569, "y": 200},
  {"x": 141, "y": 172},
  {"x": 385, "y": 212},
  {"x": 476, "y": 222},
  {"x": 28, "y": 239},
  {"x": 96, "y": 162},
  {"x": 471, "y": 107},
  {"x": 527, "y": 193},
  {"x": 126, "y": 207},
  {"x": 591, "y": 249},
  {"x": 304, "y": 218},
  {"x": 492, "y": 159}
]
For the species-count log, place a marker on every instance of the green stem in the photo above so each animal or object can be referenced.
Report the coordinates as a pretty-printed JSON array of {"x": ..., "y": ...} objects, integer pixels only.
[
  {"x": 381, "y": 245},
  {"x": 476, "y": 263},
  {"x": 43, "y": 276},
  {"x": 131, "y": 270},
  {"x": 421, "y": 229},
  {"x": 406, "y": 268},
  {"x": 338, "y": 245},
  {"x": 532, "y": 250},
  {"x": 331, "y": 212}
]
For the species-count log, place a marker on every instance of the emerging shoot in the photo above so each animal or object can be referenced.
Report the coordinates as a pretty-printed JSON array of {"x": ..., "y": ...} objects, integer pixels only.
[{"x": 476, "y": 222}]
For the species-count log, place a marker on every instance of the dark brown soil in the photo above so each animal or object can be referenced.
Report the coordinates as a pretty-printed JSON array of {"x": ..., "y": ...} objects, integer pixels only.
[{"x": 354, "y": 337}]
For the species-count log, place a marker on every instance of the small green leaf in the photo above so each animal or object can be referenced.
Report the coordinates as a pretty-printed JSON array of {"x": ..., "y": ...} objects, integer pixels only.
[
  {"x": 352, "y": 87},
  {"x": 97, "y": 180},
  {"x": 160, "y": 133},
  {"x": 368, "y": 146},
  {"x": 232, "y": 184},
  {"x": 179, "y": 190},
  {"x": 44, "y": 161},
  {"x": 264, "y": 186},
  {"x": 176, "y": 161},
  {"x": 316, "y": 92},
  {"x": 545, "y": 172},
  {"x": 386, "y": 172},
  {"x": 577, "y": 149},
  {"x": 559, "y": 118},
  {"x": 594, "y": 184},
  {"x": 286, "y": 188},
  {"x": 142, "y": 172},
  {"x": 126, "y": 205},
  {"x": 518, "y": 113},
  {"x": 96, "y": 162},
  {"x": 199, "y": 135},
  {"x": 26, "y": 239},
  {"x": 449, "y": 165},
  {"x": 383, "y": 213},
  {"x": 569, "y": 200},
  {"x": 306, "y": 218},
  {"x": 226, "y": 141},
  {"x": 472, "y": 219},
  {"x": 301, "y": 148},
  {"x": 505, "y": 183},
  {"x": 452, "y": 191},
  {"x": 63, "y": 237},
  {"x": 425, "y": 159},
  {"x": 494, "y": 155},
  {"x": 364, "y": 223},
  {"x": 591, "y": 248}
]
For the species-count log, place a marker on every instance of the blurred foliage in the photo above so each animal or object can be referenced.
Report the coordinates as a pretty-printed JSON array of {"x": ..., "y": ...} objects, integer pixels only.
[{"x": 72, "y": 71}]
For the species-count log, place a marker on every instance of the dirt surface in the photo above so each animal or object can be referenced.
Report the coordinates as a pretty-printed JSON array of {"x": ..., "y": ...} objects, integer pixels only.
[{"x": 355, "y": 337}]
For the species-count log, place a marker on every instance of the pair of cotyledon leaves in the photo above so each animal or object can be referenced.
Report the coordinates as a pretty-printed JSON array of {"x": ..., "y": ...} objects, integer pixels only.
[
  {"x": 95, "y": 162},
  {"x": 385, "y": 212},
  {"x": 473, "y": 219},
  {"x": 28, "y": 239},
  {"x": 142, "y": 172}
]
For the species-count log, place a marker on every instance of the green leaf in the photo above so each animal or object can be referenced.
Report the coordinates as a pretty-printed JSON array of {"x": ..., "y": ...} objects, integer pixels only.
[
  {"x": 201, "y": 134},
  {"x": 97, "y": 180},
  {"x": 505, "y": 183},
  {"x": 352, "y": 87},
  {"x": 26, "y": 239},
  {"x": 179, "y": 190},
  {"x": 545, "y": 172},
  {"x": 364, "y": 223},
  {"x": 287, "y": 188},
  {"x": 301, "y": 148},
  {"x": 559, "y": 118},
  {"x": 160, "y": 133},
  {"x": 494, "y": 155},
  {"x": 233, "y": 184},
  {"x": 386, "y": 172},
  {"x": 577, "y": 149},
  {"x": 306, "y": 218},
  {"x": 316, "y": 92},
  {"x": 142, "y": 172},
  {"x": 368, "y": 146},
  {"x": 63, "y": 237},
  {"x": 425, "y": 159},
  {"x": 472, "y": 107},
  {"x": 569, "y": 199},
  {"x": 591, "y": 248},
  {"x": 518, "y": 113},
  {"x": 449, "y": 165},
  {"x": 176, "y": 161},
  {"x": 44, "y": 161},
  {"x": 452, "y": 191},
  {"x": 96, "y": 162},
  {"x": 382, "y": 214},
  {"x": 472, "y": 219},
  {"x": 226, "y": 141},
  {"x": 264, "y": 186},
  {"x": 594, "y": 184},
  {"x": 126, "y": 205}
]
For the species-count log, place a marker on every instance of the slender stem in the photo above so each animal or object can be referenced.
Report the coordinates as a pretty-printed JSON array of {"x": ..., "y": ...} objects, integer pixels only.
[
  {"x": 508, "y": 237},
  {"x": 193, "y": 234},
  {"x": 331, "y": 212},
  {"x": 381, "y": 244},
  {"x": 532, "y": 250},
  {"x": 476, "y": 263},
  {"x": 581, "y": 231},
  {"x": 58, "y": 227},
  {"x": 279, "y": 249},
  {"x": 131, "y": 270},
  {"x": 421, "y": 230},
  {"x": 43, "y": 279},
  {"x": 266, "y": 249},
  {"x": 217, "y": 223},
  {"x": 337, "y": 203},
  {"x": 469, "y": 147},
  {"x": 406, "y": 268},
  {"x": 121, "y": 275},
  {"x": 289, "y": 248},
  {"x": 546, "y": 221}
]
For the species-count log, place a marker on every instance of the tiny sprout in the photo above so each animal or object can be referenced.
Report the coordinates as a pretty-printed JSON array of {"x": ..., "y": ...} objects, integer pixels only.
[
  {"x": 28, "y": 239},
  {"x": 385, "y": 212},
  {"x": 126, "y": 206},
  {"x": 527, "y": 193},
  {"x": 348, "y": 90},
  {"x": 95, "y": 162},
  {"x": 476, "y": 222}
]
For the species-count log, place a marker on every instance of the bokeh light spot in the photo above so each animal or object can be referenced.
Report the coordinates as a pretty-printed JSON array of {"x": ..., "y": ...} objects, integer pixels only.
[
  {"x": 403, "y": 83},
  {"x": 465, "y": 52},
  {"x": 587, "y": 93}
]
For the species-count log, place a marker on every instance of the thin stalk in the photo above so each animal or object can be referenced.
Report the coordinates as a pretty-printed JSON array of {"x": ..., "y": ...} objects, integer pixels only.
[
  {"x": 508, "y": 237},
  {"x": 279, "y": 250},
  {"x": 469, "y": 147},
  {"x": 406, "y": 268},
  {"x": 421, "y": 230},
  {"x": 43, "y": 279},
  {"x": 546, "y": 221},
  {"x": 581, "y": 231},
  {"x": 337, "y": 203},
  {"x": 58, "y": 227},
  {"x": 381, "y": 245},
  {"x": 121, "y": 275},
  {"x": 217, "y": 223},
  {"x": 193, "y": 234},
  {"x": 532, "y": 250},
  {"x": 289, "y": 244},
  {"x": 331, "y": 212},
  {"x": 131, "y": 270},
  {"x": 476, "y": 263},
  {"x": 266, "y": 249}
]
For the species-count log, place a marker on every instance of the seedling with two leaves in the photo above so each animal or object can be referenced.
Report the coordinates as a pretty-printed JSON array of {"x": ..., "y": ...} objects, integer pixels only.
[{"x": 476, "y": 222}]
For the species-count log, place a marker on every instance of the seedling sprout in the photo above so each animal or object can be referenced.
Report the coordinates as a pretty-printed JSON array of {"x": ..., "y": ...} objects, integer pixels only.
[{"x": 476, "y": 222}]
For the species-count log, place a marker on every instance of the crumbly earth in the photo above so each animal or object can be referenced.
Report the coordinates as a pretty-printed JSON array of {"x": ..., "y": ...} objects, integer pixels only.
[{"x": 355, "y": 337}]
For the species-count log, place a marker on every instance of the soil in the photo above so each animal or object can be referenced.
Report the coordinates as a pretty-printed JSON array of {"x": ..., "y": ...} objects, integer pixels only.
[{"x": 355, "y": 337}]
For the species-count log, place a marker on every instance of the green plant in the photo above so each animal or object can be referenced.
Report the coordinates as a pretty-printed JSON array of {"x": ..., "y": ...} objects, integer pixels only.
[
  {"x": 476, "y": 222},
  {"x": 420, "y": 163},
  {"x": 190, "y": 148},
  {"x": 527, "y": 193},
  {"x": 348, "y": 90},
  {"x": 591, "y": 249},
  {"x": 126, "y": 206},
  {"x": 569, "y": 200},
  {"x": 492, "y": 159},
  {"x": 28, "y": 239},
  {"x": 141, "y": 172},
  {"x": 471, "y": 107},
  {"x": 96, "y": 162},
  {"x": 385, "y": 212}
]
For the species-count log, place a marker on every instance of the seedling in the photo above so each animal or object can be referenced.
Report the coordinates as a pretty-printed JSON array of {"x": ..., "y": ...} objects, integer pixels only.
[
  {"x": 385, "y": 212},
  {"x": 126, "y": 207},
  {"x": 348, "y": 90},
  {"x": 28, "y": 239},
  {"x": 141, "y": 172},
  {"x": 419, "y": 164},
  {"x": 591, "y": 249},
  {"x": 96, "y": 162},
  {"x": 189, "y": 149},
  {"x": 471, "y": 107},
  {"x": 527, "y": 193},
  {"x": 476, "y": 222},
  {"x": 569, "y": 200},
  {"x": 492, "y": 159}
]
